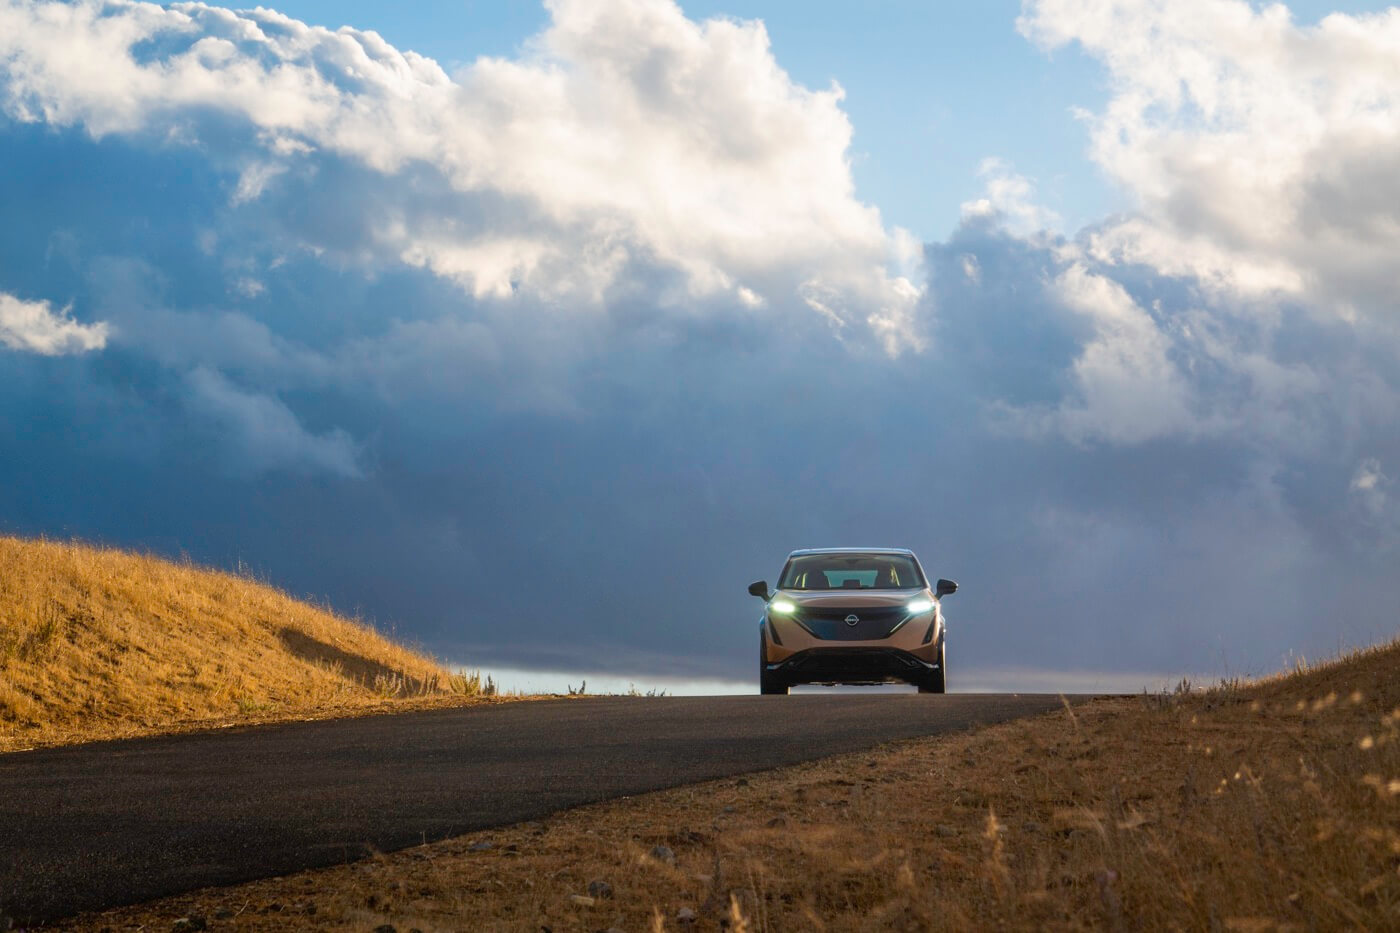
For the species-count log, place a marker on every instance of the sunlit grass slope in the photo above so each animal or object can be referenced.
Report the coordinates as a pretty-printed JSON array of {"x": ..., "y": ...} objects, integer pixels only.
[{"x": 98, "y": 643}]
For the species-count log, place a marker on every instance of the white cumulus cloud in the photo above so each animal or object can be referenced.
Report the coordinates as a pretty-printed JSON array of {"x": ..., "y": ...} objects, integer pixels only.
[
  {"x": 34, "y": 327},
  {"x": 1010, "y": 199},
  {"x": 1128, "y": 390},
  {"x": 628, "y": 134},
  {"x": 1264, "y": 154},
  {"x": 1369, "y": 487}
]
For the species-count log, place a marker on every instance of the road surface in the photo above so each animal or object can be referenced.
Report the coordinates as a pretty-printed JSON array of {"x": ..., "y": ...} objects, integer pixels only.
[{"x": 111, "y": 823}]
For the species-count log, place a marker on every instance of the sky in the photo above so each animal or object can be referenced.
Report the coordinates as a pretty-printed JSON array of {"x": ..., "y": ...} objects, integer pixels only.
[{"x": 534, "y": 334}]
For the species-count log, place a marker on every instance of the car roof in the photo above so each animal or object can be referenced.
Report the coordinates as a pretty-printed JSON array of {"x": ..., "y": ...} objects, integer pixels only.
[{"x": 851, "y": 550}]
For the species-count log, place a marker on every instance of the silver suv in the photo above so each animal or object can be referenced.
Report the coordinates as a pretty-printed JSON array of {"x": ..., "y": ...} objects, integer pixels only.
[{"x": 852, "y": 616}]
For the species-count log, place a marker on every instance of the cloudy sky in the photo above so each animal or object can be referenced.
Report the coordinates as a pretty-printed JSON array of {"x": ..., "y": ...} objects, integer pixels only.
[{"x": 536, "y": 333}]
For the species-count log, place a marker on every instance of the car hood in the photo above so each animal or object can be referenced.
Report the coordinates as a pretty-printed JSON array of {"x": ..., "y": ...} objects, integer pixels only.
[{"x": 851, "y": 599}]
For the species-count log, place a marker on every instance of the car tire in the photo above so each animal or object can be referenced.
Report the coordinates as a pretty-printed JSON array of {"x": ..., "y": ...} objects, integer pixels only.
[
  {"x": 770, "y": 685},
  {"x": 936, "y": 681},
  {"x": 767, "y": 683}
]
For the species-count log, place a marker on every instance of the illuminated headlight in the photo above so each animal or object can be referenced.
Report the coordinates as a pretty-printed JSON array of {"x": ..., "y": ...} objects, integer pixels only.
[
  {"x": 782, "y": 607},
  {"x": 920, "y": 605}
]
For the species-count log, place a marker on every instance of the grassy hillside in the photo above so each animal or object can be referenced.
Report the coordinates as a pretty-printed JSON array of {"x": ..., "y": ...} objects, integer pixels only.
[
  {"x": 98, "y": 643},
  {"x": 1247, "y": 808}
]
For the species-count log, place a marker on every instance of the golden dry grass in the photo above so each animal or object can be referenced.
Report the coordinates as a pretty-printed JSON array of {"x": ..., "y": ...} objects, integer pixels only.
[
  {"x": 1274, "y": 806},
  {"x": 99, "y": 643}
]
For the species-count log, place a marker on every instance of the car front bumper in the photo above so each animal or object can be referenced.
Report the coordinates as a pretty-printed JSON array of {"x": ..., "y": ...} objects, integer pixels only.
[{"x": 863, "y": 665}]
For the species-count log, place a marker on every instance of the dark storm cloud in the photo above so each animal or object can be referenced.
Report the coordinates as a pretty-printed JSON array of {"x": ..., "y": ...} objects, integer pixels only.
[
  {"x": 676, "y": 460},
  {"x": 584, "y": 470}
]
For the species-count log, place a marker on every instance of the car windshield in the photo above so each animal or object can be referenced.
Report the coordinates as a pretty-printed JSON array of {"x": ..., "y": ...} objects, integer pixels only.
[{"x": 851, "y": 572}]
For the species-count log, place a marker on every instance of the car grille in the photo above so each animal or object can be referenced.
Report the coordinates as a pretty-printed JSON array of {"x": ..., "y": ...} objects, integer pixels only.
[{"x": 829, "y": 622}]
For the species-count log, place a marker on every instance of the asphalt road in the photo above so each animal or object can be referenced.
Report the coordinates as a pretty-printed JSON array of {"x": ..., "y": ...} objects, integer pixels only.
[{"x": 113, "y": 823}]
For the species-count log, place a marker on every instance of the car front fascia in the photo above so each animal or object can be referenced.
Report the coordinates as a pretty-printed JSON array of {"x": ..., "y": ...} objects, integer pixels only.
[{"x": 787, "y": 636}]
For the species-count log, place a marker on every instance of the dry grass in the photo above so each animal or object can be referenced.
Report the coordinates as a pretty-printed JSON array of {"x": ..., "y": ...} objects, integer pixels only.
[
  {"x": 1247, "y": 808},
  {"x": 98, "y": 643}
]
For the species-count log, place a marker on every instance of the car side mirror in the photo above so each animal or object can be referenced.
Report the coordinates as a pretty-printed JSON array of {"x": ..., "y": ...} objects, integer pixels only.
[
  {"x": 945, "y": 588},
  {"x": 759, "y": 589}
]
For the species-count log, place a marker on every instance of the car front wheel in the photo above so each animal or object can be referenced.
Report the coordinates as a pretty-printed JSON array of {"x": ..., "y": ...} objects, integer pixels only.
[
  {"x": 936, "y": 681},
  {"x": 767, "y": 683}
]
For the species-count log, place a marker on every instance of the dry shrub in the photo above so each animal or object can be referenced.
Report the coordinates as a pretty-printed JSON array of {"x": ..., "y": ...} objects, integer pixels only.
[{"x": 97, "y": 643}]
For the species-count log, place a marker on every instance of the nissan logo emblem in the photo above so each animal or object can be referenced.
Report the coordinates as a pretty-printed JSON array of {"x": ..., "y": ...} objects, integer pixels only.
[{"x": 852, "y": 619}]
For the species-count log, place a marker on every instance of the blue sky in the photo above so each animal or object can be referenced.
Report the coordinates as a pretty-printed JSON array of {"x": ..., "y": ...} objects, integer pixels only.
[{"x": 540, "y": 348}]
